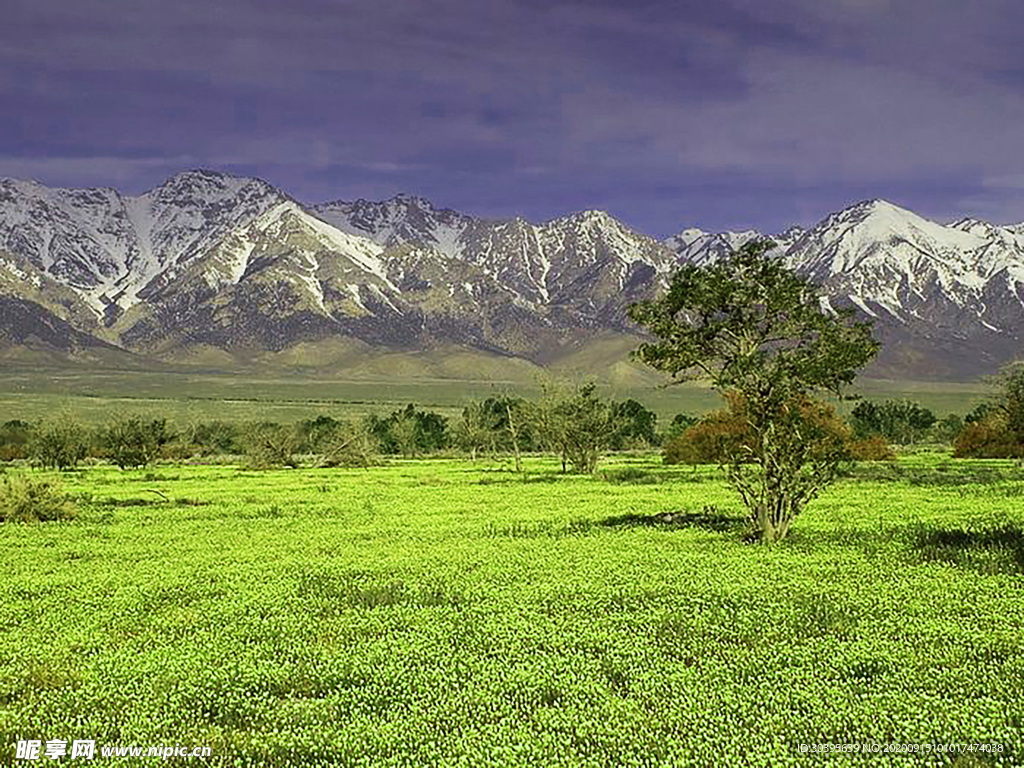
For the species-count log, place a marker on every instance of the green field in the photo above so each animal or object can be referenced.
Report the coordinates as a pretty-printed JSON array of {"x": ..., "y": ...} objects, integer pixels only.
[
  {"x": 444, "y": 613},
  {"x": 185, "y": 395}
]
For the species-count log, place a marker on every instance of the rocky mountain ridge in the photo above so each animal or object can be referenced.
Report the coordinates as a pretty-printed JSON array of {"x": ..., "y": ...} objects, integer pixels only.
[{"x": 211, "y": 261}]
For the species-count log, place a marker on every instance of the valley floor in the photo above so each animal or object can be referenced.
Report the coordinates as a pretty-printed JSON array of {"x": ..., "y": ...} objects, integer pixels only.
[{"x": 444, "y": 613}]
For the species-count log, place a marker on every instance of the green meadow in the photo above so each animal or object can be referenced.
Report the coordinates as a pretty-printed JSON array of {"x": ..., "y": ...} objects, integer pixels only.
[
  {"x": 93, "y": 395},
  {"x": 456, "y": 613}
]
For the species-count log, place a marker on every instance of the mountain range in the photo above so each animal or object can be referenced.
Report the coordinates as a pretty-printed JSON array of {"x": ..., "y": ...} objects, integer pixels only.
[{"x": 216, "y": 269}]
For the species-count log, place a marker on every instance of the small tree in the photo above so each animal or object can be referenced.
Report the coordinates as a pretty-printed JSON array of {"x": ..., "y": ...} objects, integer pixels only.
[
  {"x": 133, "y": 441},
  {"x": 15, "y": 440},
  {"x": 578, "y": 425},
  {"x": 404, "y": 430},
  {"x": 60, "y": 443},
  {"x": 750, "y": 325},
  {"x": 899, "y": 421},
  {"x": 1010, "y": 401},
  {"x": 475, "y": 430},
  {"x": 637, "y": 425},
  {"x": 349, "y": 444},
  {"x": 271, "y": 445},
  {"x": 995, "y": 429},
  {"x": 680, "y": 423}
]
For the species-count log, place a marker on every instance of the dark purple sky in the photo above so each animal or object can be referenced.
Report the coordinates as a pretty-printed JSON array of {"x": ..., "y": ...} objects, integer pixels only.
[{"x": 667, "y": 113}]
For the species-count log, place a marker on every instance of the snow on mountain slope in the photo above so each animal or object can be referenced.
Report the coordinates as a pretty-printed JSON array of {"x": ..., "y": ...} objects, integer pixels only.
[
  {"x": 885, "y": 258},
  {"x": 695, "y": 246},
  {"x": 564, "y": 258},
  {"x": 107, "y": 246},
  {"x": 400, "y": 220},
  {"x": 207, "y": 258}
]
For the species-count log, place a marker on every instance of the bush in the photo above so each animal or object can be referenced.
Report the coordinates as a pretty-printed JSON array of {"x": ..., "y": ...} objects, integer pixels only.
[
  {"x": 271, "y": 445},
  {"x": 987, "y": 439},
  {"x": 27, "y": 500},
  {"x": 348, "y": 445},
  {"x": 410, "y": 432},
  {"x": 15, "y": 440},
  {"x": 870, "y": 449},
  {"x": 134, "y": 442},
  {"x": 680, "y": 423},
  {"x": 636, "y": 426},
  {"x": 61, "y": 443},
  {"x": 712, "y": 440},
  {"x": 898, "y": 421},
  {"x": 722, "y": 435},
  {"x": 215, "y": 438}
]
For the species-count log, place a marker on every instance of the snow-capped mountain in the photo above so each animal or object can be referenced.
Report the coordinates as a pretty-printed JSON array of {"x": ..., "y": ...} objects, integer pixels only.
[
  {"x": 946, "y": 299},
  {"x": 108, "y": 247},
  {"x": 214, "y": 261}
]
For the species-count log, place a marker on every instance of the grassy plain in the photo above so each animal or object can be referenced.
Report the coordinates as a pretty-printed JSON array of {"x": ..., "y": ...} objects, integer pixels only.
[
  {"x": 444, "y": 613},
  {"x": 184, "y": 394}
]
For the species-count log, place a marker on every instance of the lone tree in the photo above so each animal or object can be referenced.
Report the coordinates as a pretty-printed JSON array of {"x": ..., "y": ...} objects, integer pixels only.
[
  {"x": 758, "y": 331},
  {"x": 577, "y": 424}
]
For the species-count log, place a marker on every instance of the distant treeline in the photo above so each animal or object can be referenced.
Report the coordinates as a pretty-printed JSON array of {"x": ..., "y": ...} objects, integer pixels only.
[{"x": 573, "y": 423}]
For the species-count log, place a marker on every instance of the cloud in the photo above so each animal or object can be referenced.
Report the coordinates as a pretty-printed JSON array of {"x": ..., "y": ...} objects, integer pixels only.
[{"x": 734, "y": 112}]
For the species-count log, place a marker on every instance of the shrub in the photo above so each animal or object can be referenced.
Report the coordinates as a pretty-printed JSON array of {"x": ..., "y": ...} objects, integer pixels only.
[
  {"x": 349, "y": 445},
  {"x": 61, "y": 443},
  {"x": 987, "y": 439},
  {"x": 578, "y": 424},
  {"x": 216, "y": 438},
  {"x": 870, "y": 449},
  {"x": 410, "y": 432},
  {"x": 680, "y": 423},
  {"x": 271, "y": 445},
  {"x": 28, "y": 500},
  {"x": 15, "y": 440},
  {"x": 712, "y": 440},
  {"x": 637, "y": 426},
  {"x": 133, "y": 441},
  {"x": 898, "y": 421},
  {"x": 722, "y": 435}
]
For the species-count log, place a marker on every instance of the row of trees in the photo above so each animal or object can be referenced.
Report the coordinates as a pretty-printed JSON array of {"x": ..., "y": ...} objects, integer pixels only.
[
  {"x": 574, "y": 423},
  {"x": 571, "y": 421}
]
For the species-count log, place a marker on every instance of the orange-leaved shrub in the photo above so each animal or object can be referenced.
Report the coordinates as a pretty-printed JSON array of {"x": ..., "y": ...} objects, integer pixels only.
[
  {"x": 870, "y": 449},
  {"x": 726, "y": 433},
  {"x": 987, "y": 439}
]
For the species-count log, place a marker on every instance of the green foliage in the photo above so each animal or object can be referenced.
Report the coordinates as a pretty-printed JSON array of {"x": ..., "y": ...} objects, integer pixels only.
[
  {"x": 348, "y": 444},
  {"x": 26, "y": 499},
  {"x": 948, "y": 428},
  {"x": 410, "y": 432},
  {"x": 712, "y": 440},
  {"x": 477, "y": 429},
  {"x": 212, "y": 438},
  {"x": 60, "y": 443},
  {"x": 1011, "y": 399},
  {"x": 680, "y": 423},
  {"x": 995, "y": 429},
  {"x": 271, "y": 445},
  {"x": 15, "y": 440},
  {"x": 578, "y": 424},
  {"x": 898, "y": 421},
  {"x": 133, "y": 441},
  {"x": 637, "y": 426},
  {"x": 751, "y": 326}
]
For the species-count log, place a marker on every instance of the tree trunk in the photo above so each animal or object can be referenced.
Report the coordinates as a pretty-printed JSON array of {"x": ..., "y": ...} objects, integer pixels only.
[{"x": 514, "y": 432}]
